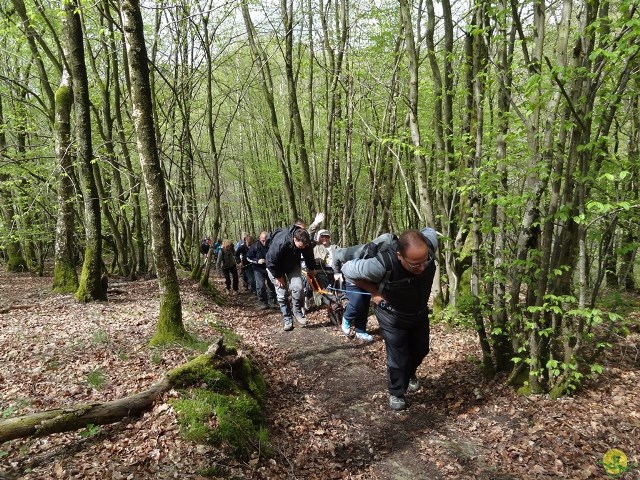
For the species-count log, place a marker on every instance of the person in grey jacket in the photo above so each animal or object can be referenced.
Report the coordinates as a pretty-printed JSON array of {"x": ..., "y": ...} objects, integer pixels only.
[
  {"x": 400, "y": 294},
  {"x": 356, "y": 312}
]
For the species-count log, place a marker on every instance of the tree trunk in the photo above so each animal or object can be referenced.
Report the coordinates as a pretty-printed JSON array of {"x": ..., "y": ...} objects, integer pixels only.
[
  {"x": 267, "y": 88},
  {"x": 414, "y": 127},
  {"x": 91, "y": 285},
  {"x": 333, "y": 78},
  {"x": 79, "y": 416},
  {"x": 65, "y": 277},
  {"x": 477, "y": 58},
  {"x": 170, "y": 327},
  {"x": 500, "y": 330},
  {"x": 310, "y": 200},
  {"x": 137, "y": 244}
]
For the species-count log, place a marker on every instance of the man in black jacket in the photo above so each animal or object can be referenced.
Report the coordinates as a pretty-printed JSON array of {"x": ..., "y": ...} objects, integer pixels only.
[
  {"x": 284, "y": 269},
  {"x": 399, "y": 282},
  {"x": 246, "y": 266},
  {"x": 257, "y": 256}
]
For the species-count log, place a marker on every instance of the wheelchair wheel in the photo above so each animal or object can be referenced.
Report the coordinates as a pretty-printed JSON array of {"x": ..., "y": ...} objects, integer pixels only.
[{"x": 335, "y": 317}]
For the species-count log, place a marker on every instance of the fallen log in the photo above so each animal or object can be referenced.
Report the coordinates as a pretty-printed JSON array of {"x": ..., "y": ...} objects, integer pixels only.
[
  {"x": 59, "y": 420},
  {"x": 15, "y": 307}
]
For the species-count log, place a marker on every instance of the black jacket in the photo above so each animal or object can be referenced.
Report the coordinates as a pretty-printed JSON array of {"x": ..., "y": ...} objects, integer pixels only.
[
  {"x": 256, "y": 252},
  {"x": 241, "y": 254},
  {"x": 283, "y": 256}
]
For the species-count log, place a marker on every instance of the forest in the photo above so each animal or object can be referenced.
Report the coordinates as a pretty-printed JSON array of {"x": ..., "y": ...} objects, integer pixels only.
[{"x": 131, "y": 131}]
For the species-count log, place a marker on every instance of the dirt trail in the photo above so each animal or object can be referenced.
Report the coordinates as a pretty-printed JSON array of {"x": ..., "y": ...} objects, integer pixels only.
[
  {"x": 340, "y": 404},
  {"x": 327, "y": 412}
]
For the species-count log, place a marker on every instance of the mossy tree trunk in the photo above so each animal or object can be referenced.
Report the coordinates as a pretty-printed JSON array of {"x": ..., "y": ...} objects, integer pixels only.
[
  {"x": 65, "y": 277},
  {"x": 91, "y": 284},
  {"x": 15, "y": 260},
  {"x": 310, "y": 200},
  {"x": 233, "y": 373},
  {"x": 170, "y": 327}
]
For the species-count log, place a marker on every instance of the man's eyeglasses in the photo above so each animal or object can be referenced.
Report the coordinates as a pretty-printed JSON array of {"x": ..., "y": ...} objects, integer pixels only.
[{"x": 415, "y": 266}]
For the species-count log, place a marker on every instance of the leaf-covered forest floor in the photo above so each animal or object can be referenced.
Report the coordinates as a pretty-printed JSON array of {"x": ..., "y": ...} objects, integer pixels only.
[{"x": 327, "y": 411}]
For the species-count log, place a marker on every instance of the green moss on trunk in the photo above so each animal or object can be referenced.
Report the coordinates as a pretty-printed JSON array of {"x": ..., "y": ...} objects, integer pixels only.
[
  {"x": 170, "y": 328},
  {"x": 198, "y": 371},
  {"x": 226, "y": 408},
  {"x": 232, "y": 421},
  {"x": 16, "y": 263},
  {"x": 91, "y": 286},
  {"x": 253, "y": 380},
  {"x": 65, "y": 277}
]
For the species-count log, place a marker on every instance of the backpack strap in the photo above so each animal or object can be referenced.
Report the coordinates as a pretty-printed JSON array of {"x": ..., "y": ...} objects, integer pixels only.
[{"x": 385, "y": 255}]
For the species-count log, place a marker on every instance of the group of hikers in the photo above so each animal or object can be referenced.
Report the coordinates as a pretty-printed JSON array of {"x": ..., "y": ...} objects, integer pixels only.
[{"x": 395, "y": 273}]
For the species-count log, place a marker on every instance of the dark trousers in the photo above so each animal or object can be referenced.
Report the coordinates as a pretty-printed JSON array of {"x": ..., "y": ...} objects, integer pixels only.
[
  {"x": 264, "y": 287},
  {"x": 406, "y": 348},
  {"x": 248, "y": 278},
  {"x": 228, "y": 274}
]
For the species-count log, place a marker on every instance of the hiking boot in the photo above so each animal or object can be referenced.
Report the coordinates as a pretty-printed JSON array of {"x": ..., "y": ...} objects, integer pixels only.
[
  {"x": 414, "y": 384},
  {"x": 397, "y": 403},
  {"x": 263, "y": 306},
  {"x": 346, "y": 327},
  {"x": 300, "y": 318},
  {"x": 288, "y": 324},
  {"x": 364, "y": 336}
]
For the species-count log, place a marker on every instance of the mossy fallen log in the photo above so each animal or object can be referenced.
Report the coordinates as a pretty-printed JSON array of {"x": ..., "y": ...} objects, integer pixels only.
[{"x": 80, "y": 416}]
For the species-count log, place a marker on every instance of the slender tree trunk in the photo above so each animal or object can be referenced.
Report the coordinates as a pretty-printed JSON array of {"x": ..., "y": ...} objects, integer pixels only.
[
  {"x": 133, "y": 232},
  {"x": 414, "y": 126},
  {"x": 92, "y": 286},
  {"x": 170, "y": 327},
  {"x": 500, "y": 330},
  {"x": 65, "y": 277},
  {"x": 15, "y": 261},
  {"x": 477, "y": 52},
  {"x": 267, "y": 88},
  {"x": 310, "y": 200}
]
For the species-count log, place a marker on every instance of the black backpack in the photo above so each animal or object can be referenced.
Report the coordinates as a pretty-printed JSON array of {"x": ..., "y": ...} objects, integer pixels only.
[{"x": 273, "y": 234}]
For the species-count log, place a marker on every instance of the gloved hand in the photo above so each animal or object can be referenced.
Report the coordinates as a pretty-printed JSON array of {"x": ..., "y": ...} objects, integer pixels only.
[{"x": 316, "y": 221}]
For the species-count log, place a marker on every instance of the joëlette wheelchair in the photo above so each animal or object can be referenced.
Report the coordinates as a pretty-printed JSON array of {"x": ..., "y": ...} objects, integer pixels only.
[{"x": 328, "y": 294}]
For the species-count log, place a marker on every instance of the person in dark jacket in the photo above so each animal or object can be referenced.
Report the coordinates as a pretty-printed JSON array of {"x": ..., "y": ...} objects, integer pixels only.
[
  {"x": 227, "y": 263},
  {"x": 246, "y": 267},
  {"x": 257, "y": 257},
  {"x": 285, "y": 271},
  {"x": 400, "y": 306}
]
